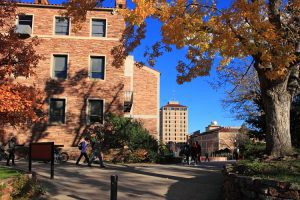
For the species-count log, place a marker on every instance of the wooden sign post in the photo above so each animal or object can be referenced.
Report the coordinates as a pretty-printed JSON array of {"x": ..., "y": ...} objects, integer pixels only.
[{"x": 43, "y": 151}]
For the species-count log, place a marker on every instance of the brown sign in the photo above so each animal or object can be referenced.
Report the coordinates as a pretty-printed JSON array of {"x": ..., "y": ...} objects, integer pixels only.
[{"x": 42, "y": 151}]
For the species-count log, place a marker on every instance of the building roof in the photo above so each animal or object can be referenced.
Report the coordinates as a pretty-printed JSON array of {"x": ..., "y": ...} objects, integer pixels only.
[
  {"x": 220, "y": 129},
  {"x": 151, "y": 68},
  {"x": 58, "y": 6},
  {"x": 174, "y": 105}
]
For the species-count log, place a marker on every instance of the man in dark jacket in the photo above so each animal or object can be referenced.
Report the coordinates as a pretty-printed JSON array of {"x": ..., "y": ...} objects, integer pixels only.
[
  {"x": 187, "y": 152},
  {"x": 11, "y": 151},
  {"x": 96, "y": 153}
]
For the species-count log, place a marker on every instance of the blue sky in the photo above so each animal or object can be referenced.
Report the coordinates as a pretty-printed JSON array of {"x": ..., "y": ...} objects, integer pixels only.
[{"x": 203, "y": 102}]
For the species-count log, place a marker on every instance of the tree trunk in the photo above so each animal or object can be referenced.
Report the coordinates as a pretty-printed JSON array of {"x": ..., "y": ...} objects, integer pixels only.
[{"x": 277, "y": 103}]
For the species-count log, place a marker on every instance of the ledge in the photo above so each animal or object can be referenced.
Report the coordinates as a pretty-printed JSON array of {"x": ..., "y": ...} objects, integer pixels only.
[{"x": 237, "y": 187}]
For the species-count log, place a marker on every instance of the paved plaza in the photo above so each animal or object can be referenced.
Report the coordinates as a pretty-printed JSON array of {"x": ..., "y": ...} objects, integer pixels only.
[{"x": 136, "y": 181}]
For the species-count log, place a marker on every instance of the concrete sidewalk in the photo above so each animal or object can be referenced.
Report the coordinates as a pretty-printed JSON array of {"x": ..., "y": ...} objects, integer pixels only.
[{"x": 136, "y": 181}]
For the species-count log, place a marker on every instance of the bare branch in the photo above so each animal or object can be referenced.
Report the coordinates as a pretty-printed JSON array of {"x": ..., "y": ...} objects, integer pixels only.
[{"x": 241, "y": 79}]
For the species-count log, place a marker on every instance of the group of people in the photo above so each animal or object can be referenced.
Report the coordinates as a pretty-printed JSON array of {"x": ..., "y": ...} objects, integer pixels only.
[
  {"x": 194, "y": 152},
  {"x": 96, "y": 151}
]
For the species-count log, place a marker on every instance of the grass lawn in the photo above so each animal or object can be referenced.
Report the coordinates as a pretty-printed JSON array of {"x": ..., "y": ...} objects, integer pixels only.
[
  {"x": 8, "y": 172},
  {"x": 285, "y": 170}
]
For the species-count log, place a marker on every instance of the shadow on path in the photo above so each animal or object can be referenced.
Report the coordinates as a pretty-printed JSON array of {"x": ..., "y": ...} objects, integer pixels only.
[{"x": 136, "y": 182}]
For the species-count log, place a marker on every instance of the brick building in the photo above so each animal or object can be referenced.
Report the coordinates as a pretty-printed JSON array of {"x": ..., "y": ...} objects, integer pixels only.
[
  {"x": 174, "y": 123},
  {"x": 77, "y": 77},
  {"x": 216, "y": 138}
]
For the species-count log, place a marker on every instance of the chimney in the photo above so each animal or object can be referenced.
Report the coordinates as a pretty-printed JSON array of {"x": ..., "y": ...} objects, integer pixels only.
[
  {"x": 44, "y": 2},
  {"x": 121, "y": 4}
]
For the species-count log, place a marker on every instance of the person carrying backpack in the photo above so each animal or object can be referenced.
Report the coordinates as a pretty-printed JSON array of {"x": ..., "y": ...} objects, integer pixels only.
[
  {"x": 96, "y": 148},
  {"x": 11, "y": 151},
  {"x": 82, "y": 146}
]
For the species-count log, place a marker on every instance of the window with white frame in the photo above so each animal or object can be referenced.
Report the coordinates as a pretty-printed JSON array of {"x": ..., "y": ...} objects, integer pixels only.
[
  {"x": 25, "y": 23},
  {"x": 97, "y": 67},
  {"x": 60, "y": 66},
  {"x": 57, "y": 111},
  {"x": 62, "y": 26},
  {"x": 98, "y": 27},
  {"x": 95, "y": 111}
]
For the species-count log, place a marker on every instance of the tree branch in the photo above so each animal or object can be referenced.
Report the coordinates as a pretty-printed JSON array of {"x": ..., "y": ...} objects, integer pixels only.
[
  {"x": 294, "y": 80},
  {"x": 274, "y": 12},
  {"x": 241, "y": 79}
]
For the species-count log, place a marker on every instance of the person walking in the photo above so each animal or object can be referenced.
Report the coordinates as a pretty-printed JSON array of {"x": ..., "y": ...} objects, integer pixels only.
[
  {"x": 96, "y": 149},
  {"x": 206, "y": 157},
  {"x": 194, "y": 153},
  {"x": 198, "y": 151},
  {"x": 83, "y": 149},
  {"x": 236, "y": 153},
  {"x": 187, "y": 152},
  {"x": 11, "y": 151}
]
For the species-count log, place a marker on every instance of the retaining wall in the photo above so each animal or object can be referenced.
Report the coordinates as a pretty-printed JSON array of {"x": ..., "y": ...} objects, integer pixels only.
[{"x": 237, "y": 187}]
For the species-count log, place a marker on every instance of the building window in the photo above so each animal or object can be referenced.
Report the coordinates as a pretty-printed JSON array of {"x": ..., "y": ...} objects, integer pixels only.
[
  {"x": 98, "y": 27},
  {"x": 97, "y": 67},
  {"x": 95, "y": 111},
  {"x": 57, "y": 111},
  {"x": 62, "y": 26},
  {"x": 24, "y": 24},
  {"x": 60, "y": 66}
]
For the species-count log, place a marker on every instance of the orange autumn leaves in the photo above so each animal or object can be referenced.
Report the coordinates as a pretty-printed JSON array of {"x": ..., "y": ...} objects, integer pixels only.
[
  {"x": 244, "y": 29},
  {"x": 19, "y": 103}
]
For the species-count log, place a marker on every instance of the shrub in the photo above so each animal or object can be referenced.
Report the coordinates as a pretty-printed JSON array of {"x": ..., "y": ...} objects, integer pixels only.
[
  {"x": 253, "y": 150},
  {"x": 120, "y": 132},
  {"x": 25, "y": 188}
]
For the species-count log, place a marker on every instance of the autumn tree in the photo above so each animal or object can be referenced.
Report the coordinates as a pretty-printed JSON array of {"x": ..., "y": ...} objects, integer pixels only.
[
  {"x": 19, "y": 103},
  {"x": 259, "y": 34},
  {"x": 244, "y": 101}
]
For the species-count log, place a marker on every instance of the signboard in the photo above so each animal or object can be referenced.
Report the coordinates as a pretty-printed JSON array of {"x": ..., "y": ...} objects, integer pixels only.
[{"x": 43, "y": 151}]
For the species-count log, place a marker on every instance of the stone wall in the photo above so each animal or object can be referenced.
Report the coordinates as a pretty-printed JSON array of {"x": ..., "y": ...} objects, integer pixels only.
[{"x": 237, "y": 187}]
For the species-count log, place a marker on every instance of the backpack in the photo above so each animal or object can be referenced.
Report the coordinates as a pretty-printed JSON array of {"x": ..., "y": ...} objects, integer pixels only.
[{"x": 80, "y": 145}]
